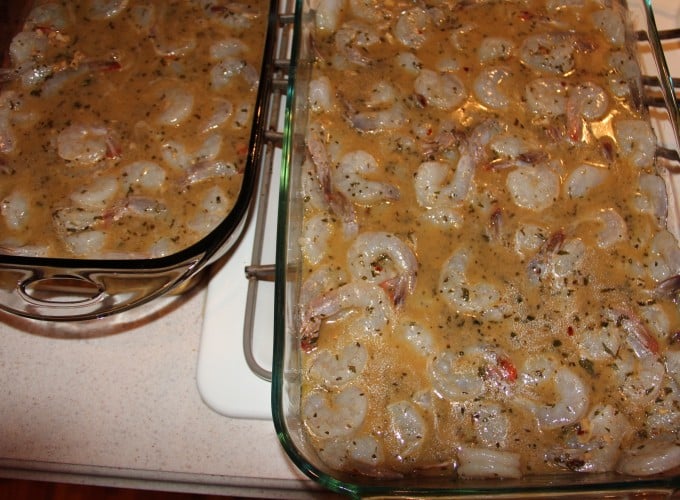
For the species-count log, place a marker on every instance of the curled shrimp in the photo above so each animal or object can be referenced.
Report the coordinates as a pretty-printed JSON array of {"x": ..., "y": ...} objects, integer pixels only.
[
  {"x": 15, "y": 210},
  {"x": 360, "y": 453},
  {"x": 611, "y": 23},
  {"x": 478, "y": 299},
  {"x": 383, "y": 258},
  {"x": 637, "y": 141},
  {"x": 316, "y": 232},
  {"x": 370, "y": 304},
  {"x": 411, "y": 29},
  {"x": 571, "y": 400},
  {"x": 534, "y": 188},
  {"x": 85, "y": 144},
  {"x": 105, "y": 9},
  {"x": 551, "y": 53},
  {"x": 475, "y": 462},
  {"x": 335, "y": 369},
  {"x": 583, "y": 179},
  {"x": 418, "y": 336},
  {"x": 350, "y": 179},
  {"x": 336, "y": 200},
  {"x": 176, "y": 104},
  {"x": 487, "y": 87},
  {"x": 471, "y": 373},
  {"x": 546, "y": 96},
  {"x": 228, "y": 69},
  {"x": 320, "y": 94},
  {"x": 651, "y": 456},
  {"x": 494, "y": 49},
  {"x": 330, "y": 415},
  {"x": 353, "y": 39},
  {"x": 408, "y": 428},
  {"x": 651, "y": 196},
  {"x": 434, "y": 188},
  {"x": 613, "y": 228},
  {"x": 594, "y": 444},
  {"x": 442, "y": 90},
  {"x": 586, "y": 102},
  {"x": 327, "y": 15}
]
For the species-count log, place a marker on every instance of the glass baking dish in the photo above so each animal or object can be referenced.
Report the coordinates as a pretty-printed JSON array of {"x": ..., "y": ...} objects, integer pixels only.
[
  {"x": 288, "y": 346},
  {"x": 64, "y": 288}
]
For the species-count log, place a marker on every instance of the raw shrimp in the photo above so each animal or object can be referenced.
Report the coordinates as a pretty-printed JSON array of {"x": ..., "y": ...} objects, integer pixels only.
[
  {"x": 510, "y": 150},
  {"x": 52, "y": 15},
  {"x": 442, "y": 90},
  {"x": 651, "y": 456},
  {"x": 321, "y": 281},
  {"x": 476, "y": 462},
  {"x": 430, "y": 179},
  {"x": 15, "y": 210},
  {"x": 411, "y": 29},
  {"x": 368, "y": 10},
  {"x": 369, "y": 302},
  {"x": 651, "y": 196},
  {"x": 408, "y": 428},
  {"x": 316, "y": 232},
  {"x": 637, "y": 141},
  {"x": 177, "y": 156},
  {"x": 358, "y": 453},
  {"x": 639, "y": 367},
  {"x": 329, "y": 415},
  {"x": 471, "y": 373},
  {"x": 378, "y": 120},
  {"x": 494, "y": 49},
  {"x": 97, "y": 194},
  {"x": 336, "y": 369},
  {"x": 613, "y": 228},
  {"x": 27, "y": 48},
  {"x": 663, "y": 257},
  {"x": 213, "y": 209},
  {"x": 487, "y": 87},
  {"x": 529, "y": 239},
  {"x": 611, "y": 23},
  {"x": 491, "y": 424},
  {"x": 571, "y": 395},
  {"x": 105, "y": 9},
  {"x": 350, "y": 179},
  {"x": 228, "y": 69},
  {"x": 481, "y": 299},
  {"x": 547, "y": 96},
  {"x": 353, "y": 39},
  {"x": 594, "y": 444},
  {"x": 624, "y": 76},
  {"x": 143, "y": 174},
  {"x": 227, "y": 47},
  {"x": 320, "y": 94},
  {"x": 586, "y": 102},
  {"x": 583, "y": 179},
  {"x": 327, "y": 14},
  {"x": 551, "y": 53},
  {"x": 384, "y": 259},
  {"x": 85, "y": 144},
  {"x": 337, "y": 202},
  {"x": 534, "y": 188},
  {"x": 176, "y": 104},
  {"x": 419, "y": 337}
]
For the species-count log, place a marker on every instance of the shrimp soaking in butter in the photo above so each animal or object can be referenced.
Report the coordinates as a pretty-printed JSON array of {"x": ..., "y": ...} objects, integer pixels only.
[{"x": 490, "y": 289}]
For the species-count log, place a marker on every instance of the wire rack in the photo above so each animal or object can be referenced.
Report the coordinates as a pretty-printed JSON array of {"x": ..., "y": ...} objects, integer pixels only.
[{"x": 660, "y": 91}]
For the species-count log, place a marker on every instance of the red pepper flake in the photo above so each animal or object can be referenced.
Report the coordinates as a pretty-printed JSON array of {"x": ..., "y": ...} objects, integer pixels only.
[{"x": 570, "y": 331}]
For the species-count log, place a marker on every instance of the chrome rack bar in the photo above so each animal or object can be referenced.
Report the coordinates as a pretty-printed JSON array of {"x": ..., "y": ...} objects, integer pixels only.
[
  {"x": 257, "y": 271},
  {"x": 665, "y": 81}
]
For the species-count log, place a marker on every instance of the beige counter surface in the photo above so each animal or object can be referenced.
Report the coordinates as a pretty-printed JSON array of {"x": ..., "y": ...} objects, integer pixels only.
[{"x": 117, "y": 404}]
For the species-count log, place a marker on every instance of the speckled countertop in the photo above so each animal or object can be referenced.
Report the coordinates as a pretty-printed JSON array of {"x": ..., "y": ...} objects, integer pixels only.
[{"x": 116, "y": 403}]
